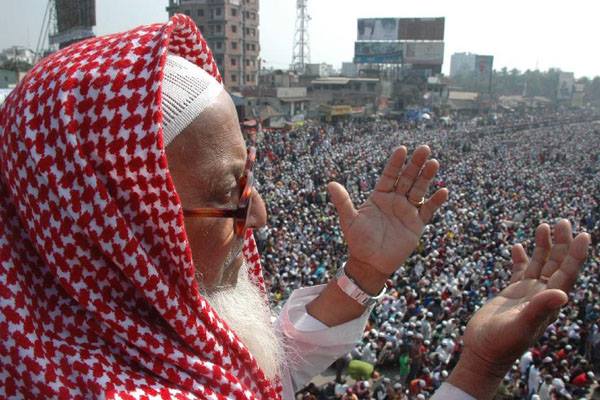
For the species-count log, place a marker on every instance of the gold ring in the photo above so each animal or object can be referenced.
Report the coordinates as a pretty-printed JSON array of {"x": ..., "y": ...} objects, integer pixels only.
[
  {"x": 396, "y": 182},
  {"x": 417, "y": 204}
]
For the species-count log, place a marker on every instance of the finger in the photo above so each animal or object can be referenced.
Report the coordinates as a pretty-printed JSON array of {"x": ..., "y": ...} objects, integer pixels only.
[
  {"x": 412, "y": 169},
  {"x": 519, "y": 262},
  {"x": 566, "y": 275},
  {"x": 563, "y": 236},
  {"x": 419, "y": 189},
  {"x": 543, "y": 243},
  {"x": 342, "y": 203},
  {"x": 540, "y": 311},
  {"x": 392, "y": 170},
  {"x": 432, "y": 205}
]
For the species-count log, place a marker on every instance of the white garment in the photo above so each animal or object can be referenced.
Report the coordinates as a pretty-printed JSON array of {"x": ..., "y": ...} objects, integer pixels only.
[
  {"x": 545, "y": 390},
  {"x": 313, "y": 346},
  {"x": 534, "y": 380}
]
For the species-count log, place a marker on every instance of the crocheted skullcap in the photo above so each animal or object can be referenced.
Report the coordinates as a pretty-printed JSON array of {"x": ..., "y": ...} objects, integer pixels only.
[{"x": 187, "y": 90}]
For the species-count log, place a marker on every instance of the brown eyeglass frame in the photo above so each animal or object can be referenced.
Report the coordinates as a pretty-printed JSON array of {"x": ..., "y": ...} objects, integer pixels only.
[{"x": 240, "y": 213}]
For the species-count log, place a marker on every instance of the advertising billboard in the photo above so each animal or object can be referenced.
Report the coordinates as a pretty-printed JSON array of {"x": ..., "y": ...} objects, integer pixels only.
[
  {"x": 378, "y": 52},
  {"x": 401, "y": 29},
  {"x": 377, "y": 29},
  {"x": 72, "y": 14},
  {"x": 566, "y": 83},
  {"x": 424, "y": 53},
  {"x": 421, "y": 28},
  {"x": 74, "y": 20},
  {"x": 484, "y": 67}
]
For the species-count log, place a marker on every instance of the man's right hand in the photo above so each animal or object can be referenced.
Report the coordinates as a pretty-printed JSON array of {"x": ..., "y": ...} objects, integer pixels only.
[{"x": 512, "y": 321}]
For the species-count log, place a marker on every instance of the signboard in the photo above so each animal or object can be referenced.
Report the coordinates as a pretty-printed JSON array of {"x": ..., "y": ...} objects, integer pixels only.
[
  {"x": 566, "y": 82},
  {"x": 484, "y": 68},
  {"x": 72, "y": 14},
  {"x": 421, "y": 28},
  {"x": 424, "y": 53},
  {"x": 291, "y": 92},
  {"x": 401, "y": 29},
  {"x": 72, "y": 35},
  {"x": 377, "y": 29},
  {"x": 378, "y": 52}
]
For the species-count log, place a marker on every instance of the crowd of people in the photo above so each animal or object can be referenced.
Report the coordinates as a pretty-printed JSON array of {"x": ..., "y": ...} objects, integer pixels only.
[{"x": 504, "y": 179}]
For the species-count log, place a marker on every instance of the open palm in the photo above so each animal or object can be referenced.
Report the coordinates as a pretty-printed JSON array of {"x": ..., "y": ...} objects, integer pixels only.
[
  {"x": 512, "y": 321},
  {"x": 385, "y": 230}
]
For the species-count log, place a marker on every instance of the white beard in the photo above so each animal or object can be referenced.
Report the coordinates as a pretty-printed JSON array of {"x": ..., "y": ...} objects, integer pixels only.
[{"x": 248, "y": 314}]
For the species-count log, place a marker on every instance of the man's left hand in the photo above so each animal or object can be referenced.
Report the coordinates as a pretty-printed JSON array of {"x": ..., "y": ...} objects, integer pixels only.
[{"x": 385, "y": 230}]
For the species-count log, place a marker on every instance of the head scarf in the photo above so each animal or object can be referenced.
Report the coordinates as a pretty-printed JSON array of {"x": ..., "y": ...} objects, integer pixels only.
[{"x": 97, "y": 289}]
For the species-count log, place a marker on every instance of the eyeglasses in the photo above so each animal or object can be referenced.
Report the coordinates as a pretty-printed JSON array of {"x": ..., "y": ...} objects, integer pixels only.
[{"x": 239, "y": 214}]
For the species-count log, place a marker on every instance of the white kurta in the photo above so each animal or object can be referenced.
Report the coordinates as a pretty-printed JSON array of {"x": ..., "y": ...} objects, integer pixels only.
[{"x": 312, "y": 346}]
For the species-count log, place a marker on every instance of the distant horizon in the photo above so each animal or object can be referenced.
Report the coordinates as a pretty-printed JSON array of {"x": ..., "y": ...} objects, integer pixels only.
[{"x": 520, "y": 35}]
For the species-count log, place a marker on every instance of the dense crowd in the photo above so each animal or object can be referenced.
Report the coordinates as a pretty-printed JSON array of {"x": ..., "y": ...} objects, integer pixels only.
[{"x": 504, "y": 179}]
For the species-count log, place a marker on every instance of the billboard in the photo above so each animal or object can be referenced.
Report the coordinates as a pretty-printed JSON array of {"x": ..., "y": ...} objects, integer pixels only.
[
  {"x": 421, "y": 29},
  {"x": 378, "y": 52},
  {"x": 72, "y": 14},
  {"x": 401, "y": 29},
  {"x": 484, "y": 68},
  {"x": 424, "y": 53},
  {"x": 377, "y": 29},
  {"x": 566, "y": 83}
]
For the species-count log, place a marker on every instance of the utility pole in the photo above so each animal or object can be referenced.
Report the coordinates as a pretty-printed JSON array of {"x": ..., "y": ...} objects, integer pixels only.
[{"x": 301, "y": 53}]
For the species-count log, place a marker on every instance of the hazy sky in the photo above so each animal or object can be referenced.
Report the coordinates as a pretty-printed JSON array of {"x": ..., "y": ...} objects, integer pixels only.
[{"x": 522, "y": 34}]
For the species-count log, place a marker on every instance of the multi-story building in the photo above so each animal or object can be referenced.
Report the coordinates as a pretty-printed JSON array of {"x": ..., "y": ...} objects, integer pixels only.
[
  {"x": 231, "y": 28},
  {"x": 18, "y": 53}
]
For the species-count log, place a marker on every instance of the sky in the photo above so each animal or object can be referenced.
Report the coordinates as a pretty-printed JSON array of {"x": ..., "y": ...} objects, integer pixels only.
[{"x": 522, "y": 34}]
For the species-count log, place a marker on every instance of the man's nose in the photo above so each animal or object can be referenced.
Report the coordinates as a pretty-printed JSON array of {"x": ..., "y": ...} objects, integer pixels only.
[{"x": 258, "y": 212}]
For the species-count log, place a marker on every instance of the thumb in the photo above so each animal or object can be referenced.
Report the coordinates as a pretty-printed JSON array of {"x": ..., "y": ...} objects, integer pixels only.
[
  {"x": 541, "y": 310},
  {"x": 342, "y": 203}
]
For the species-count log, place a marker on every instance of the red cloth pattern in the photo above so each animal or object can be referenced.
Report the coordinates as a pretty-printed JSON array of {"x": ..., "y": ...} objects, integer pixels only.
[{"x": 97, "y": 289}]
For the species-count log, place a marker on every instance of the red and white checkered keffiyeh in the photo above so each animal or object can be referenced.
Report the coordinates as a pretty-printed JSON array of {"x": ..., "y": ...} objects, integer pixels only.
[{"x": 97, "y": 289}]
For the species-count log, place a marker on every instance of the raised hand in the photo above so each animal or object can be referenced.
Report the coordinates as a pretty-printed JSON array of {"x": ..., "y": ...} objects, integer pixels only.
[
  {"x": 508, "y": 324},
  {"x": 385, "y": 230}
]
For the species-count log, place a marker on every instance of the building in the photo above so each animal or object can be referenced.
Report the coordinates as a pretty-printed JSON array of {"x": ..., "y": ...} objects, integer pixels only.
[
  {"x": 349, "y": 69},
  {"x": 19, "y": 54},
  {"x": 320, "y": 69},
  {"x": 476, "y": 68},
  {"x": 361, "y": 95},
  {"x": 231, "y": 28},
  {"x": 8, "y": 79},
  {"x": 462, "y": 63}
]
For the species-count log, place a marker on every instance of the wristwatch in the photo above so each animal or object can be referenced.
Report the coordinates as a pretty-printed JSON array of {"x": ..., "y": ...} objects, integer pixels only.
[{"x": 351, "y": 288}]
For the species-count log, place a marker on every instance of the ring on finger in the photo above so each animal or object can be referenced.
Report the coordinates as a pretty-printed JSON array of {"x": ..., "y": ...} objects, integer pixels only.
[
  {"x": 396, "y": 182},
  {"x": 544, "y": 279},
  {"x": 417, "y": 204}
]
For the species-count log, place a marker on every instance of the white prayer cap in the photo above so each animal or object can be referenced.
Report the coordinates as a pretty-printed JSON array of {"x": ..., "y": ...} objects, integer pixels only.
[{"x": 187, "y": 90}]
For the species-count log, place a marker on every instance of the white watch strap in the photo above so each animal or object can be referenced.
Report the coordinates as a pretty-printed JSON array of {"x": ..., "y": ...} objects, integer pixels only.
[{"x": 351, "y": 288}]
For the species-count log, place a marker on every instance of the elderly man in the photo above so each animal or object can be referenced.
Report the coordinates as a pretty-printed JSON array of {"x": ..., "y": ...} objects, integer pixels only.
[{"x": 127, "y": 267}]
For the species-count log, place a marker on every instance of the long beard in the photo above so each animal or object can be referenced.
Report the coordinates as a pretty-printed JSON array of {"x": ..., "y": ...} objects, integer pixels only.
[{"x": 248, "y": 314}]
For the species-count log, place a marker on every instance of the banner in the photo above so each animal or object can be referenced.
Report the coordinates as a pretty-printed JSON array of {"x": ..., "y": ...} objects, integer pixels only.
[
  {"x": 421, "y": 29},
  {"x": 401, "y": 29},
  {"x": 424, "y": 53},
  {"x": 377, "y": 29},
  {"x": 566, "y": 82},
  {"x": 378, "y": 53},
  {"x": 72, "y": 14}
]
